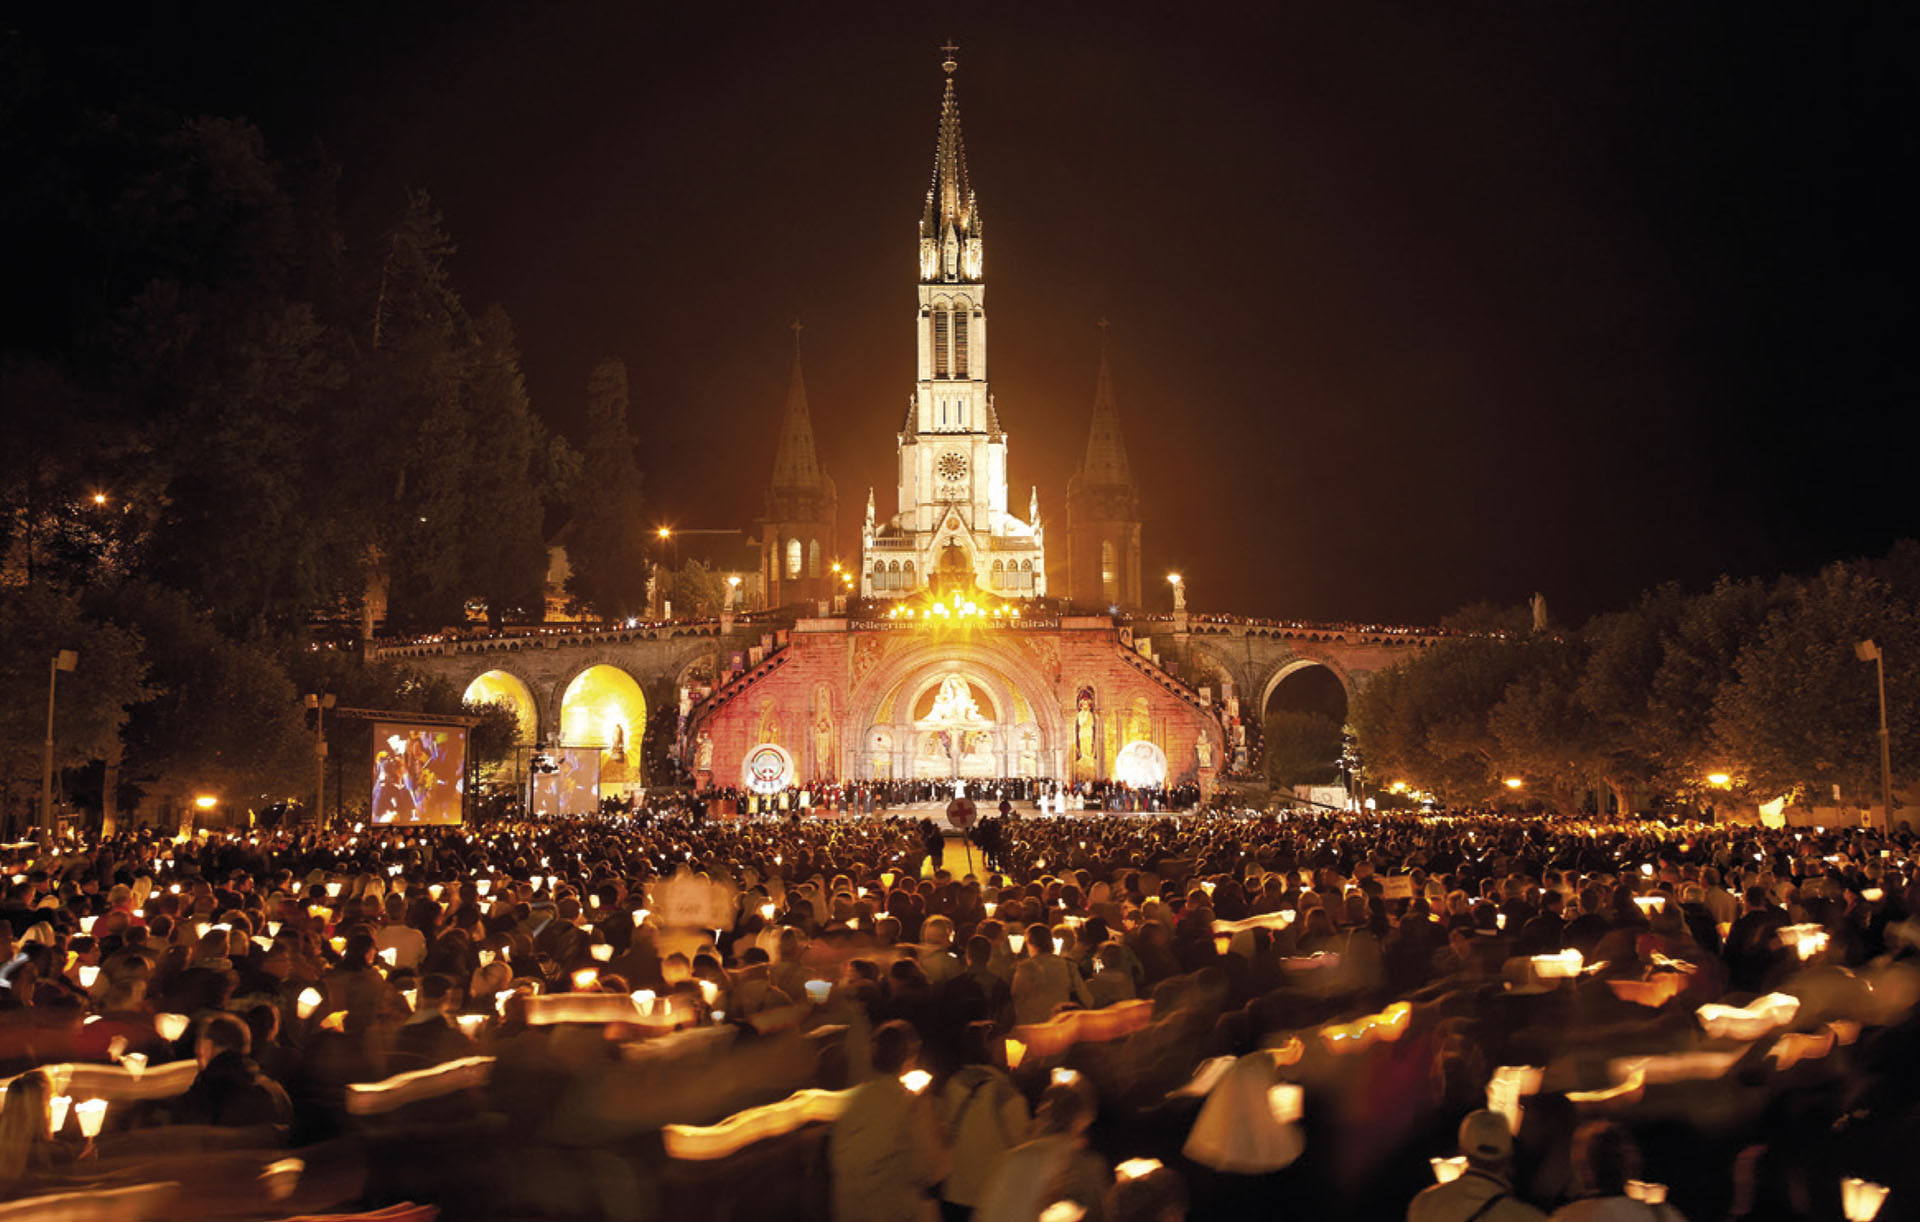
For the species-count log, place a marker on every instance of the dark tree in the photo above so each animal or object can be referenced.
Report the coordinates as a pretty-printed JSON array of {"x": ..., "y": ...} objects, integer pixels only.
[{"x": 607, "y": 544}]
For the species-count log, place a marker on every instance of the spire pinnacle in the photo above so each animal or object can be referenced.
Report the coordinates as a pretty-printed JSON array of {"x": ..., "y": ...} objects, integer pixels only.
[
  {"x": 1106, "y": 462},
  {"x": 796, "y": 464},
  {"x": 950, "y": 199}
]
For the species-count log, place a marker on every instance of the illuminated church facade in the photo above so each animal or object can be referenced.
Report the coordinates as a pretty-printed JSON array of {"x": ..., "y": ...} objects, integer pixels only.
[{"x": 952, "y": 527}]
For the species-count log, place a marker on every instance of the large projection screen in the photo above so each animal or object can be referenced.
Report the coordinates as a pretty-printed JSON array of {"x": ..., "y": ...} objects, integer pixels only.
[
  {"x": 573, "y": 787},
  {"x": 419, "y": 773}
]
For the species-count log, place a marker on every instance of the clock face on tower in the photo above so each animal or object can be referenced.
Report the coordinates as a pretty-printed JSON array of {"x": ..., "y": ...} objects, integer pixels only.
[{"x": 952, "y": 466}]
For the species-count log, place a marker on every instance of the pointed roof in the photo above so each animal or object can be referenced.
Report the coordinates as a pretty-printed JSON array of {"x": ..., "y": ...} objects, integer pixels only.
[
  {"x": 950, "y": 200},
  {"x": 1105, "y": 465},
  {"x": 796, "y": 464}
]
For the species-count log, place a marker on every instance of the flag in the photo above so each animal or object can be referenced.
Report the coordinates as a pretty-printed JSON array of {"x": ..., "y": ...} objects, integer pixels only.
[{"x": 1866, "y": 651}]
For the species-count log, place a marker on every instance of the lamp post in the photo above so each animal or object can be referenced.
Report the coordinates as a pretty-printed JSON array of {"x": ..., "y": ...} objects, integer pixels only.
[
  {"x": 66, "y": 660},
  {"x": 320, "y": 704},
  {"x": 1868, "y": 651}
]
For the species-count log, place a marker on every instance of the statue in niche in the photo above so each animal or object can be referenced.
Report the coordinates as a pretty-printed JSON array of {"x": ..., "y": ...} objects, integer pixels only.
[
  {"x": 703, "y": 752},
  {"x": 1086, "y": 737},
  {"x": 823, "y": 733}
]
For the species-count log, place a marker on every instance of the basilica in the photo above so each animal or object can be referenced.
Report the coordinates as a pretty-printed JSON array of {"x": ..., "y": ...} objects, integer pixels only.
[
  {"x": 953, "y": 526},
  {"x": 968, "y": 642},
  {"x": 959, "y": 661}
]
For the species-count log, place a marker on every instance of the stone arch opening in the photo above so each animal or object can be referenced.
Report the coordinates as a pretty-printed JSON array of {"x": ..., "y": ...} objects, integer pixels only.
[
  {"x": 500, "y": 687},
  {"x": 1303, "y": 715},
  {"x": 1010, "y": 733},
  {"x": 603, "y": 707}
]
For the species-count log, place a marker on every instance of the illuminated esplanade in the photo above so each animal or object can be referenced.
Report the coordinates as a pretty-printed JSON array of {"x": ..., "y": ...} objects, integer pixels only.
[{"x": 944, "y": 655}]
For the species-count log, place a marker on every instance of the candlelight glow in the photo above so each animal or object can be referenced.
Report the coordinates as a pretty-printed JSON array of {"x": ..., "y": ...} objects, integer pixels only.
[
  {"x": 1861, "y": 1199},
  {"x": 1751, "y": 1021},
  {"x": 1016, "y": 1053},
  {"x": 1136, "y": 1168},
  {"x": 171, "y": 1026},
  {"x": 1447, "y": 1170},
  {"x": 57, "y": 1109},
  {"x": 916, "y": 1080},
  {"x": 1286, "y": 1101},
  {"x": 308, "y": 1001},
  {"x": 91, "y": 1114}
]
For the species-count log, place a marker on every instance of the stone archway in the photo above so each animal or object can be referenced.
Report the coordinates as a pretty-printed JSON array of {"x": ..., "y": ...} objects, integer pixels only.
[
  {"x": 505, "y": 688},
  {"x": 603, "y": 706},
  {"x": 1011, "y": 730},
  {"x": 1302, "y": 717}
]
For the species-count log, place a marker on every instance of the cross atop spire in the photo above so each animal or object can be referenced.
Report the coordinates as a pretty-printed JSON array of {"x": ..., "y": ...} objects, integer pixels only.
[{"x": 950, "y": 50}]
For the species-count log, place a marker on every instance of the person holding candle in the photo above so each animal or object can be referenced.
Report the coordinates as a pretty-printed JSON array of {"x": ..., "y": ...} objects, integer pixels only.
[
  {"x": 27, "y": 1149},
  {"x": 1484, "y": 1192},
  {"x": 1606, "y": 1160},
  {"x": 985, "y": 1116},
  {"x": 230, "y": 1091},
  {"x": 886, "y": 1150}
]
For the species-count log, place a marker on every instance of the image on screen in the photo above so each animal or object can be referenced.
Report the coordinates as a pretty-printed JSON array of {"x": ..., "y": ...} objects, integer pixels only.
[
  {"x": 419, "y": 773},
  {"x": 573, "y": 785}
]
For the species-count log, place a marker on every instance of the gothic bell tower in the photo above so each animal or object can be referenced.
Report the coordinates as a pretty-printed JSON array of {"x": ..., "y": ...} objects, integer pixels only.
[
  {"x": 954, "y": 527},
  {"x": 1103, "y": 508},
  {"x": 796, "y": 533}
]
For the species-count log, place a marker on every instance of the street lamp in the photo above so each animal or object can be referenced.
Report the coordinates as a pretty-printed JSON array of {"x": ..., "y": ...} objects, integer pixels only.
[
  {"x": 320, "y": 704},
  {"x": 1867, "y": 651},
  {"x": 1179, "y": 591},
  {"x": 66, "y": 660}
]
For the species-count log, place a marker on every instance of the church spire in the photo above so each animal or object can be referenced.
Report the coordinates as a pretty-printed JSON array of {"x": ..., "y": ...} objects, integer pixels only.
[
  {"x": 1105, "y": 465},
  {"x": 951, "y": 205},
  {"x": 796, "y": 464}
]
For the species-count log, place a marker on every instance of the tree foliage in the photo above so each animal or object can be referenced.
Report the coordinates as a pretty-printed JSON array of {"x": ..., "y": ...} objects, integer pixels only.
[
  {"x": 1756, "y": 680},
  {"x": 1301, "y": 748},
  {"x": 608, "y": 544},
  {"x": 91, "y": 702}
]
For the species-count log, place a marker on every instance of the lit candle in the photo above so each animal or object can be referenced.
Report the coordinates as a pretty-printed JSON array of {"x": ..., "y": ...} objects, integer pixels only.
[
  {"x": 817, "y": 991},
  {"x": 916, "y": 1080},
  {"x": 88, "y": 974},
  {"x": 308, "y": 1002},
  {"x": 171, "y": 1026},
  {"x": 1860, "y": 1199},
  {"x": 91, "y": 1115},
  {"x": 1286, "y": 1101},
  {"x": 1447, "y": 1170},
  {"x": 1135, "y": 1168},
  {"x": 135, "y": 1063},
  {"x": 601, "y": 952}
]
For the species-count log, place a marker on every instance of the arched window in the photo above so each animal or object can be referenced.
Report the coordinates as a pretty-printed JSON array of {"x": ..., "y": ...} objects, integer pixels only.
[
  {"x": 999, "y": 574},
  {"x": 813, "y": 558},
  {"x": 1109, "y": 571},
  {"x": 941, "y": 320},
  {"x": 906, "y": 576},
  {"x": 960, "y": 342},
  {"x": 879, "y": 574},
  {"x": 793, "y": 558},
  {"x": 893, "y": 575},
  {"x": 1026, "y": 574}
]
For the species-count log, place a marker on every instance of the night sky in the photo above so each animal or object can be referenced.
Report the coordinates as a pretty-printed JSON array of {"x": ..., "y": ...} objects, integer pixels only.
[{"x": 1410, "y": 307}]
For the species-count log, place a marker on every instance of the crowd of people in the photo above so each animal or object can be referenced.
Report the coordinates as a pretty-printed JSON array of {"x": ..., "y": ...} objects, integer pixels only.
[{"x": 1313, "y": 1013}]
